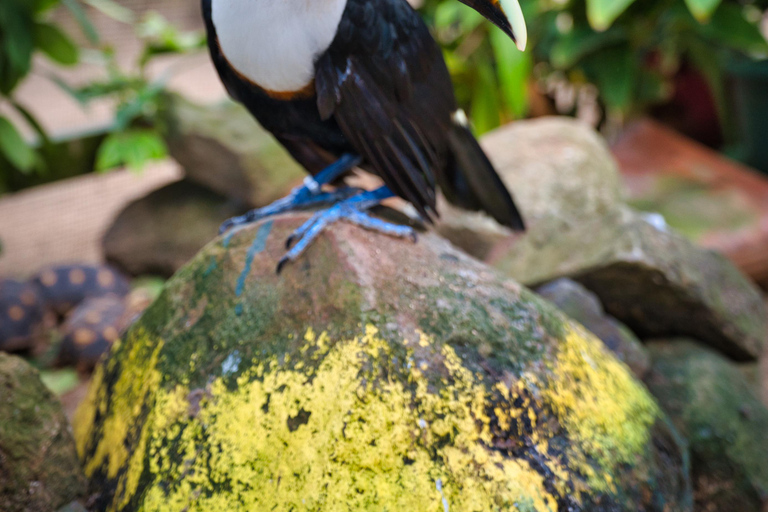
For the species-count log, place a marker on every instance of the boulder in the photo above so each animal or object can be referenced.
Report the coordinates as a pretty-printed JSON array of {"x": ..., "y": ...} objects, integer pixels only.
[
  {"x": 222, "y": 148},
  {"x": 39, "y": 469},
  {"x": 371, "y": 374},
  {"x": 561, "y": 175},
  {"x": 717, "y": 410},
  {"x": 160, "y": 232},
  {"x": 650, "y": 278},
  {"x": 583, "y": 306}
]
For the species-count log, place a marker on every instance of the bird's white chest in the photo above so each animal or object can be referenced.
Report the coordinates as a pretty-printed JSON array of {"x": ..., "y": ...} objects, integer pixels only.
[{"x": 274, "y": 43}]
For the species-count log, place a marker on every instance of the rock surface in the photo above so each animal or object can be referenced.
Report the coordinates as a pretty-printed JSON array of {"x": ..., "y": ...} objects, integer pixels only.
[
  {"x": 561, "y": 175},
  {"x": 39, "y": 469},
  {"x": 650, "y": 278},
  {"x": 158, "y": 233},
  {"x": 223, "y": 149},
  {"x": 716, "y": 409},
  {"x": 372, "y": 374},
  {"x": 583, "y": 306}
]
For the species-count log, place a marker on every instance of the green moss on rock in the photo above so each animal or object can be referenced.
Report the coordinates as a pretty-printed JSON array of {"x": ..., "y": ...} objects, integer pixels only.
[
  {"x": 39, "y": 469},
  {"x": 716, "y": 409}
]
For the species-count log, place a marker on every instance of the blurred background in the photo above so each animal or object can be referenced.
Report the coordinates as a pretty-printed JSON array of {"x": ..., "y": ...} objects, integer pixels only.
[{"x": 118, "y": 146}]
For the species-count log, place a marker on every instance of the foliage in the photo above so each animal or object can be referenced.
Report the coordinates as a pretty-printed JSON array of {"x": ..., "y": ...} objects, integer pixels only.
[
  {"x": 136, "y": 134},
  {"x": 24, "y": 31},
  {"x": 629, "y": 49}
]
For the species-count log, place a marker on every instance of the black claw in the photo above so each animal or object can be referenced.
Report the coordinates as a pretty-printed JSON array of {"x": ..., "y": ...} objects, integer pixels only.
[
  {"x": 281, "y": 264},
  {"x": 414, "y": 237},
  {"x": 289, "y": 241},
  {"x": 224, "y": 227}
]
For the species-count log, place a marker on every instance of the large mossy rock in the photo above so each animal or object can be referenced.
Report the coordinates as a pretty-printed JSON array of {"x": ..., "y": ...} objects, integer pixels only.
[
  {"x": 372, "y": 374},
  {"x": 39, "y": 469},
  {"x": 717, "y": 410}
]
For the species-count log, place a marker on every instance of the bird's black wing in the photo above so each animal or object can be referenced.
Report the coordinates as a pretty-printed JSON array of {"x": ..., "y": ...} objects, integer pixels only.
[{"x": 384, "y": 81}]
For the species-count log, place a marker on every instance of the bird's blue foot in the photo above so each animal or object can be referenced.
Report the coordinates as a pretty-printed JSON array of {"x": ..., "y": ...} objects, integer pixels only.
[
  {"x": 352, "y": 210},
  {"x": 306, "y": 196}
]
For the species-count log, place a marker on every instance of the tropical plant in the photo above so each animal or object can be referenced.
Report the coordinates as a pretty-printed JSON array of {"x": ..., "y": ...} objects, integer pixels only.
[
  {"x": 136, "y": 135},
  {"x": 630, "y": 50},
  {"x": 25, "y": 31}
]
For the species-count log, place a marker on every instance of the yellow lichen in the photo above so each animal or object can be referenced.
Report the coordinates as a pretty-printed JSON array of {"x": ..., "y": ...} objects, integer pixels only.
[
  {"x": 363, "y": 424},
  {"x": 606, "y": 412},
  {"x": 137, "y": 380},
  {"x": 340, "y": 439}
]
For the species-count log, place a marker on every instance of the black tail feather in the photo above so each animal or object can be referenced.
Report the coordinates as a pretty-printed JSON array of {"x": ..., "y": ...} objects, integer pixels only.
[{"x": 473, "y": 183}]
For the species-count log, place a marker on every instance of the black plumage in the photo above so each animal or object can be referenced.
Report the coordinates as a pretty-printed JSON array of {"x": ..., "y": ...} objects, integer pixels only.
[{"x": 380, "y": 91}]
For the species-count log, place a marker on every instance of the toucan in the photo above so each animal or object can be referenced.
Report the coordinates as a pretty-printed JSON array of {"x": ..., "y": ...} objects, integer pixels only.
[{"x": 357, "y": 83}]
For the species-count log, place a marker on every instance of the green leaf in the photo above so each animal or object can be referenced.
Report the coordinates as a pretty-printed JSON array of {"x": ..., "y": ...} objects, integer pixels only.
[
  {"x": 113, "y": 10},
  {"x": 82, "y": 19},
  {"x": 60, "y": 381},
  {"x": 55, "y": 44},
  {"x": 15, "y": 149},
  {"x": 581, "y": 42},
  {"x": 702, "y": 9},
  {"x": 602, "y": 13},
  {"x": 615, "y": 72},
  {"x": 485, "y": 101},
  {"x": 514, "y": 70},
  {"x": 133, "y": 148},
  {"x": 728, "y": 27}
]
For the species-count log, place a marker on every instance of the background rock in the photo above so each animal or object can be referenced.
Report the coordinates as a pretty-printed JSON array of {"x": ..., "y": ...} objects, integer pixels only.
[
  {"x": 223, "y": 149},
  {"x": 583, "y": 306},
  {"x": 650, "y": 278},
  {"x": 372, "y": 373},
  {"x": 158, "y": 233},
  {"x": 560, "y": 172},
  {"x": 39, "y": 469},
  {"x": 716, "y": 409}
]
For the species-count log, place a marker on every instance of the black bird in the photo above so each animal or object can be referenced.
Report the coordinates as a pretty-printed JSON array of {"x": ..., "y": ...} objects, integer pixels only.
[{"x": 342, "y": 83}]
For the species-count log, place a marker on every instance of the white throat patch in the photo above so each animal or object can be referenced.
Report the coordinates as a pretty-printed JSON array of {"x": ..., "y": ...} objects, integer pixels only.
[{"x": 274, "y": 43}]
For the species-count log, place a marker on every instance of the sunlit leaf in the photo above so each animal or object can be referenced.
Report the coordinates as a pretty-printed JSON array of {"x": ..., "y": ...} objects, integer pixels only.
[
  {"x": 55, "y": 44},
  {"x": 602, "y": 13},
  {"x": 514, "y": 71},
  {"x": 133, "y": 148},
  {"x": 702, "y": 9},
  {"x": 485, "y": 101},
  {"x": 60, "y": 381}
]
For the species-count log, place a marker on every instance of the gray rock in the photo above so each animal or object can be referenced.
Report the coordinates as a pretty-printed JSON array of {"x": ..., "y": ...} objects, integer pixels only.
[
  {"x": 158, "y": 233},
  {"x": 650, "y": 278},
  {"x": 223, "y": 148},
  {"x": 39, "y": 468},
  {"x": 372, "y": 374},
  {"x": 726, "y": 425},
  {"x": 561, "y": 175},
  {"x": 583, "y": 306}
]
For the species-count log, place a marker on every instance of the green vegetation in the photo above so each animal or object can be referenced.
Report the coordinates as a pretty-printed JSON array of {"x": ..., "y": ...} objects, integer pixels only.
[{"x": 630, "y": 50}]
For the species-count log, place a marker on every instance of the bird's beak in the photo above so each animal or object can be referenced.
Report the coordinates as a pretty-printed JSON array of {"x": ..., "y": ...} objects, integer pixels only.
[{"x": 505, "y": 14}]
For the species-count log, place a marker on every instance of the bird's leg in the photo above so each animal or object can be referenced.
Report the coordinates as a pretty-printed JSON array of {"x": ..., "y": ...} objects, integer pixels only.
[
  {"x": 307, "y": 195},
  {"x": 352, "y": 210}
]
